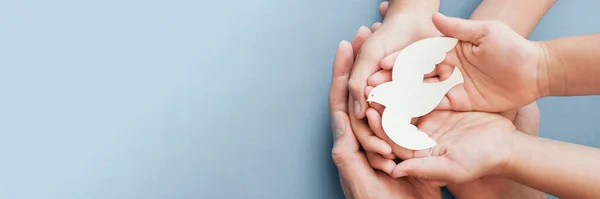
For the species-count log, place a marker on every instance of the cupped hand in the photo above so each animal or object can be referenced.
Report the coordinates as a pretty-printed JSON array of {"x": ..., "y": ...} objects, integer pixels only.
[
  {"x": 527, "y": 121},
  {"x": 358, "y": 178},
  {"x": 397, "y": 31},
  {"x": 470, "y": 145},
  {"x": 500, "y": 67}
]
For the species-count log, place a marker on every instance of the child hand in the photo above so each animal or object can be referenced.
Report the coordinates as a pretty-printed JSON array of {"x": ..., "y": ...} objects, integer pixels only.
[
  {"x": 397, "y": 31},
  {"x": 500, "y": 67}
]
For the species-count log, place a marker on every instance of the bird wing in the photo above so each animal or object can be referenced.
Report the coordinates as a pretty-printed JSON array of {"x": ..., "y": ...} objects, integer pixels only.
[
  {"x": 420, "y": 58},
  {"x": 397, "y": 127}
]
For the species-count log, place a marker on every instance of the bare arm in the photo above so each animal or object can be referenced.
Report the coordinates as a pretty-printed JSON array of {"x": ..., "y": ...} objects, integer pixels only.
[
  {"x": 411, "y": 6},
  {"x": 521, "y": 16},
  {"x": 562, "y": 169},
  {"x": 570, "y": 66}
]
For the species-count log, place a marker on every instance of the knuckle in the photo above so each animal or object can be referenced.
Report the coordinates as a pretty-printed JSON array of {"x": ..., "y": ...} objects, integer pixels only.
[
  {"x": 339, "y": 157},
  {"x": 354, "y": 84}
]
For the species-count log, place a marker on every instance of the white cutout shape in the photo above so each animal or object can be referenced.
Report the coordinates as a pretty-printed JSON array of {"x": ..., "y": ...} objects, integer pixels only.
[{"x": 407, "y": 96}]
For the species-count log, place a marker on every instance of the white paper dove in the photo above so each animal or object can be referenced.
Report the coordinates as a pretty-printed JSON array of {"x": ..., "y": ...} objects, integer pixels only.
[{"x": 407, "y": 96}]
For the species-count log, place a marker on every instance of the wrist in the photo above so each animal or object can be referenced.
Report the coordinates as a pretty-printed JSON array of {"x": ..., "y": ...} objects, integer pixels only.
[
  {"x": 518, "y": 154},
  {"x": 549, "y": 71},
  {"x": 418, "y": 7}
]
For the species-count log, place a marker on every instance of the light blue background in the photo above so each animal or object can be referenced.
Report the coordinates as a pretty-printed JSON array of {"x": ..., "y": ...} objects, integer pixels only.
[{"x": 197, "y": 99}]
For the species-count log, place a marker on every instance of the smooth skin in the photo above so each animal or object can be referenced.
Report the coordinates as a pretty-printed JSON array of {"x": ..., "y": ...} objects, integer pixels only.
[
  {"x": 358, "y": 178},
  {"x": 525, "y": 118},
  {"x": 476, "y": 144},
  {"x": 488, "y": 9},
  {"x": 408, "y": 21}
]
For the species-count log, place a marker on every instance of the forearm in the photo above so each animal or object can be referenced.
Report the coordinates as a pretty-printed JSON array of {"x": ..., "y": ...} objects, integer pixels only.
[
  {"x": 522, "y": 16},
  {"x": 570, "y": 66},
  {"x": 562, "y": 169},
  {"x": 425, "y": 7}
]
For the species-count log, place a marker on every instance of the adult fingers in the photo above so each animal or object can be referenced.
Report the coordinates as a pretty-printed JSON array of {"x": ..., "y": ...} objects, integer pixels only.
[
  {"x": 374, "y": 119},
  {"x": 350, "y": 161},
  {"x": 437, "y": 168},
  {"x": 367, "y": 139},
  {"x": 342, "y": 65},
  {"x": 345, "y": 152}
]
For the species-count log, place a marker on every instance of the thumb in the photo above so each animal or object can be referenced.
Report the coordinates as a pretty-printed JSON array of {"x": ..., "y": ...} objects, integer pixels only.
[
  {"x": 350, "y": 161},
  {"x": 464, "y": 30},
  {"x": 430, "y": 168}
]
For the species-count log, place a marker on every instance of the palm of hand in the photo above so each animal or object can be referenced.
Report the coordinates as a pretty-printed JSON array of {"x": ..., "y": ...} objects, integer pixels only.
[
  {"x": 498, "y": 76},
  {"x": 473, "y": 143},
  {"x": 387, "y": 187}
]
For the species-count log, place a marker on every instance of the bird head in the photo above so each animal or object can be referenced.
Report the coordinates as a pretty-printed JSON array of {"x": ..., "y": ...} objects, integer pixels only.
[{"x": 381, "y": 94}]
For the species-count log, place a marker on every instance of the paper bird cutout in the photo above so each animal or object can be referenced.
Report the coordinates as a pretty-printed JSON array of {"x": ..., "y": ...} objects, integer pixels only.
[{"x": 407, "y": 96}]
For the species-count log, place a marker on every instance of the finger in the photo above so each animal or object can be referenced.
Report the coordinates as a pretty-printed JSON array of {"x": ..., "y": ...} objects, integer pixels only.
[
  {"x": 351, "y": 163},
  {"x": 342, "y": 65},
  {"x": 374, "y": 119},
  {"x": 457, "y": 99},
  {"x": 442, "y": 70},
  {"x": 366, "y": 137},
  {"x": 528, "y": 119},
  {"x": 361, "y": 36},
  {"x": 383, "y": 7},
  {"x": 437, "y": 183},
  {"x": 445, "y": 102},
  {"x": 387, "y": 63},
  {"x": 367, "y": 63},
  {"x": 379, "y": 77},
  {"x": 464, "y": 30},
  {"x": 375, "y": 26},
  {"x": 378, "y": 162},
  {"x": 429, "y": 168}
]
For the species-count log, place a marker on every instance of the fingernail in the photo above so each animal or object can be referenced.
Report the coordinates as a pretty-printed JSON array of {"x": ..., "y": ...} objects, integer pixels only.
[
  {"x": 356, "y": 107},
  {"x": 339, "y": 124}
]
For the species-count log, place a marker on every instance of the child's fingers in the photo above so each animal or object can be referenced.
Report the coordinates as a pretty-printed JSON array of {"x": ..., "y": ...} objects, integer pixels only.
[
  {"x": 379, "y": 77},
  {"x": 378, "y": 162},
  {"x": 375, "y": 26},
  {"x": 387, "y": 63},
  {"x": 383, "y": 7},
  {"x": 361, "y": 36}
]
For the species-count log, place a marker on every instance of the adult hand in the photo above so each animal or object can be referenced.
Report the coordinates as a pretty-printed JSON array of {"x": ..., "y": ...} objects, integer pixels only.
[
  {"x": 470, "y": 145},
  {"x": 527, "y": 121},
  {"x": 358, "y": 178}
]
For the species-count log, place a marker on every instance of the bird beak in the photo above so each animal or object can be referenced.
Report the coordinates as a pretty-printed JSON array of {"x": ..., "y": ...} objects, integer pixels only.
[{"x": 369, "y": 100}]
